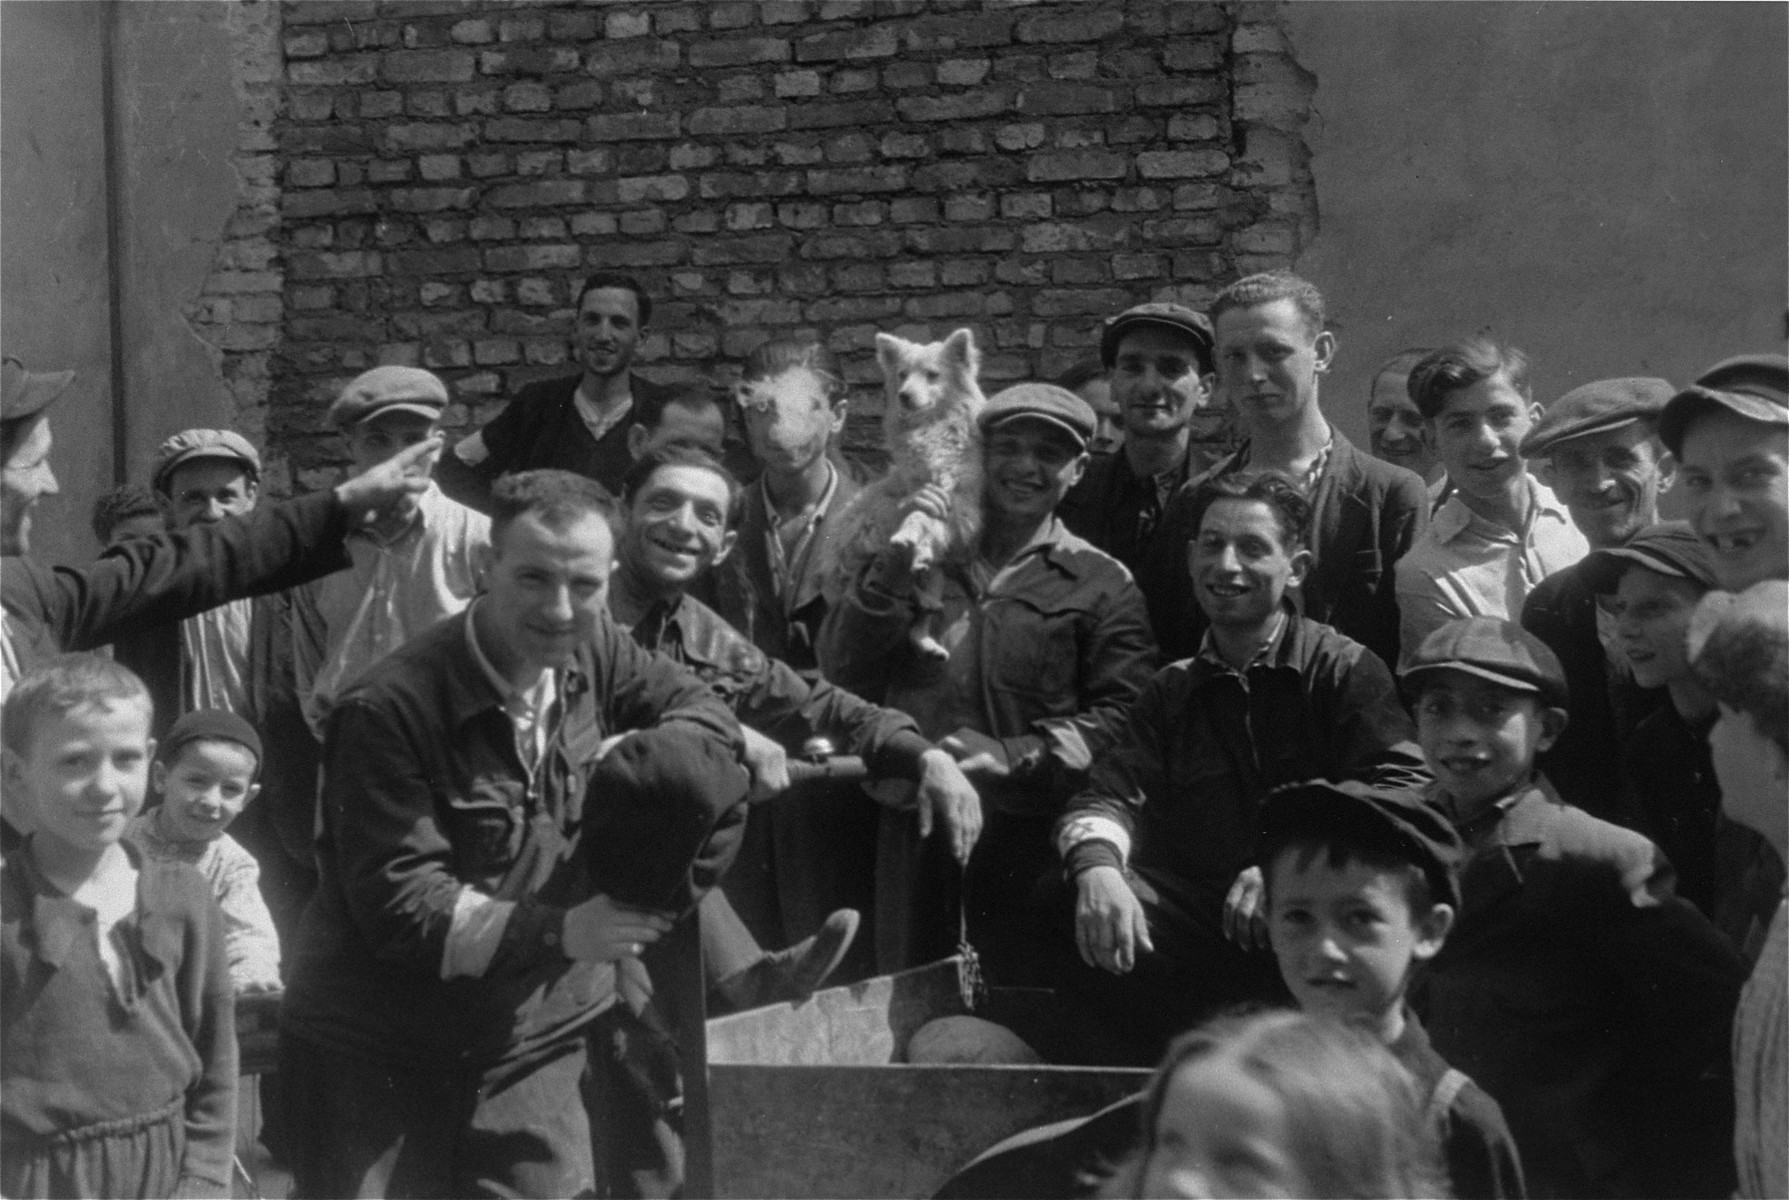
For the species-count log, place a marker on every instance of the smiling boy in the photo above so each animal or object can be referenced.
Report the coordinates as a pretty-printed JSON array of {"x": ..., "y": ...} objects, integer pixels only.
[
  {"x": 1502, "y": 531},
  {"x": 1585, "y": 996}
]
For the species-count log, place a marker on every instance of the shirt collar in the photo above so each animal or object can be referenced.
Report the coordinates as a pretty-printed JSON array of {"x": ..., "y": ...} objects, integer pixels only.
[
  {"x": 508, "y": 694},
  {"x": 1209, "y": 654},
  {"x": 820, "y": 506},
  {"x": 1453, "y": 517}
]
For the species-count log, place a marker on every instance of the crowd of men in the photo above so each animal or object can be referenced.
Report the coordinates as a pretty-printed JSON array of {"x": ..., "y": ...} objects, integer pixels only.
[{"x": 526, "y": 700}]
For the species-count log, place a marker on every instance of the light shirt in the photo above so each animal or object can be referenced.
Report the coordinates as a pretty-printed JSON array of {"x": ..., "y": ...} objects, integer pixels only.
[
  {"x": 395, "y": 589},
  {"x": 251, "y": 944},
  {"x": 598, "y": 422},
  {"x": 214, "y": 659},
  {"x": 789, "y": 544},
  {"x": 1466, "y": 566}
]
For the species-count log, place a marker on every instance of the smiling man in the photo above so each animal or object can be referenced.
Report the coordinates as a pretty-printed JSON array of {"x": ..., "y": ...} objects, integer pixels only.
[
  {"x": 579, "y": 423},
  {"x": 1168, "y": 921},
  {"x": 1610, "y": 468},
  {"x": 1395, "y": 427},
  {"x": 1728, "y": 432},
  {"x": 1049, "y": 643},
  {"x": 1272, "y": 351},
  {"x": 1502, "y": 531}
]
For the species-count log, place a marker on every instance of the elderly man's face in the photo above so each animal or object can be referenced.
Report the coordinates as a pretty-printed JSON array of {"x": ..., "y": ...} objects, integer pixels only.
[
  {"x": 206, "y": 490},
  {"x": 1395, "y": 427},
  {"x": 1611, "y": 481},
  {"x": 26, "y": 478}
]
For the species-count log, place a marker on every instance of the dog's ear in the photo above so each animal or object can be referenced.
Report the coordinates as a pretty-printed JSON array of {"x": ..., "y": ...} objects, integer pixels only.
[
  {"x": 960, "y": 352},
  {"x": 891, "y": 352}
]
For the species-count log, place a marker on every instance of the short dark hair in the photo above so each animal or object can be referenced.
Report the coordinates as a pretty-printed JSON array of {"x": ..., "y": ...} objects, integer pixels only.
[
  {"x": 1269, "y": 286},
  {"x": 1082, "y": 374},
  {"x": 649, "y": 409},
  {"x": 778, "y": 355},
  {"x": 1402, "y": 362},
  {"x": 682, "y": 454},
  {"x": 1345, "y": 845},
  {"x": 558, "y": 498},
  {"x": 1290, "y": 509},
  {"x": 123, "y": 503},
  {"x": 62, "y": 684},
  {"x": 626, "y": 283},
  {"x": 1459, "y": 366}
]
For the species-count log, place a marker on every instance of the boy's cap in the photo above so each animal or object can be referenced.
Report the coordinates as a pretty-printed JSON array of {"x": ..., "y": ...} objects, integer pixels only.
[
  {"x": 209, "y": 725},
  {"x": 1318, "y": 809},
  {"x": 1605, "y": 404},
  {"x": 190, "y": 444},
  {"x": 387, "y": 389},
  {"x": 1042, "y": 402},
  {"x": 26, "y": 393},
  {"x": 1493, "y": 649},
  {"x": 1755, "y": 386},
  {"x": 1670, "y": 548},
  {"x": 1178, "y": 317}
]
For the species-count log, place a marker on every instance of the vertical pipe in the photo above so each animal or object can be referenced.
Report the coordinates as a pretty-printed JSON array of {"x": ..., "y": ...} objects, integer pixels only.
[{"x": 114, "y": 168}]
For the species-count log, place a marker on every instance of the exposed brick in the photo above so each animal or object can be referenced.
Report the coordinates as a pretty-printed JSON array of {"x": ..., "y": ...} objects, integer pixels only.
[
  {"x": 334, "y": 72},
  {"x": 960, "y": 32},
  {"x": 1204, "y": 89},
  {"x": 962, "y": 106},
  {"x": 631, "y": 57},
  {"x": 533, "y": 258},
  {"x": 876, "y": 41},
  {"x": 537, "y": 195},
  {"x": 741, "y": 119},
  {"x": 1182, "y": 164},
  {"x": 1057, "y": 99},
  {"x": 734, "y": 52},
  {"x": 831, "y": 181},
  {"x": 523, "y": 129},
  {"x": 1080, "y": 23},
  {"x": 625, "y": 126},
  {"x": 428, "y": 66},
  {"x": 797, "y": 83},
  {"x": 731, "y": 14},
  {"x": 643, "y": 188},
  {"x": 310, "y": 172},
  {"x": 903, "y": 75},
  {"x": 474, "y": 32},
  {"x": 783, "y": 12},
  {"x": 963, "y": 72},
  {"x": 529, "y": 60},
  {"x": 831, "y": 116},
  {"x": 1054, "y": 166}
]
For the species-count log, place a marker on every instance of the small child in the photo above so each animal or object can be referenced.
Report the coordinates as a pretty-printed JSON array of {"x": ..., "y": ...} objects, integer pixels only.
[
  {"x": 205, "y": 775},
  {"x": 117, "y": 1021},
  {"x": 1576, "y": 988},
  {"x": 1740, "y": 647},
  {"x": 127, "y": 512},
  {"x": 1362, "y": 887},
  {"x": 1280, "y": 1104}
]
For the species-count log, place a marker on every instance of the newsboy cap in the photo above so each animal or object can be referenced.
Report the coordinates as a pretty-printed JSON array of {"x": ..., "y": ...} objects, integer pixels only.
[
  {"x": 1594, "y": 407},
  {"x": 1319, "y": 809},
  {"x": 209, "y": 725},
  {"x": 1670, "y": 548},
  {"x": 1490, "y": 648},
  {"x": 191, "y": 444},
  {"x": 1041, "y": 402},
  {"x": 1178, "y": 317},
  {"x": 26, "y": 393},
  {"x": 1755, "y": 386},
  {"x": 389, "y": 389}
]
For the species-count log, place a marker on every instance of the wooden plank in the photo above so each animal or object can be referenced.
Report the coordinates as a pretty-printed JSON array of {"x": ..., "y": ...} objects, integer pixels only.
[
  {"x": 868, "y": 1131},
  {"x": 864, "y": 1024}
]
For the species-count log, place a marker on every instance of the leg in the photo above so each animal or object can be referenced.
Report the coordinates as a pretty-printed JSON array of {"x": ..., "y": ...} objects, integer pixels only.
[
  {"x": 528, "y": 1133},
  {"x": 928, "y": 603},
  {"x": 746, "y": 977}
]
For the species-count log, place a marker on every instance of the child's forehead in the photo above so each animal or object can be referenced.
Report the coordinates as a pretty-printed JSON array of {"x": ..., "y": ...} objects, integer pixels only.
[
  {"x": 1332, "y": 868},
  {"x": 113, "y": 716},
  {"x": 217, "y": 754}
]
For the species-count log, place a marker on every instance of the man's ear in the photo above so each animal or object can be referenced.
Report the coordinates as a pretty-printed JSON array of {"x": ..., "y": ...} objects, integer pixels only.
[
  {"x": 1431, "y": 932},
  {"x": 1324, "y": 347},
  {"x": 1208, "y": 387},
  {"x": 638, "y": 438},
  {"x": 728, "y": 541},
  {"x": 1078, "y": 468},
  {"x": 1667, "y": 471},
  {"x": 1301, "y": 566},
  {"x": 1553, "y": 723},
  {"x": 158, "y": 777},
  {"x": 484, "y": 557},
  {"x": 841, "y": 409},
  {"x": 249, "y": 794}
]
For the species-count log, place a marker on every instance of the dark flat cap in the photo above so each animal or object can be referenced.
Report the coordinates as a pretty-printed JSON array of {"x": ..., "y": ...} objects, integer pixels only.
[
  {"x": 1042, "y": 402},
  {"x": 1491, "y": 648},
  {"x": 1318, "y": 810},
  {"x": 26, "y": 393},
  {"x": 1178, "y": 317},
  {"x": 1605, "y": 404},
  {"x": 190, "y": 444},
  {"x": 389, "y": 389},
  {"x": 1669, "y": 548},
  {"x": 208, "y": 725},
  {"x": 1755, "y": 386}
]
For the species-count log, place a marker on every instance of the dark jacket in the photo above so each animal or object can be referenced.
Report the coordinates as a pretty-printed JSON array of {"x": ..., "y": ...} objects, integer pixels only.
[
  {"x": 541, "y": 427},
  {"x": 1476, "y": 1145},
  {"x": 1592, "y": 1002},
  {"x": 165, "y": 579},
  {"x": 1585, "y": 764},
  {"x": 744, "y": 590},
  {"x": 75, "y": 1055},
  {"x": 1365, "y": 514},
  {"x": 1117, "y": 511},
  {"x": 771, "y": 698},
  {"x": 1200, "y": 749},
  {"x": 424, "y": 791}
]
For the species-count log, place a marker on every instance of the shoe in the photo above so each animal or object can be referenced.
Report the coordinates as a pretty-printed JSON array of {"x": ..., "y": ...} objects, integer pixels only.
[{"x": 791, "y": 976}]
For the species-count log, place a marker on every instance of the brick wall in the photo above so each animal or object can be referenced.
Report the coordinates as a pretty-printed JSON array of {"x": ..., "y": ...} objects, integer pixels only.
[{"x": 448, "y": 172}]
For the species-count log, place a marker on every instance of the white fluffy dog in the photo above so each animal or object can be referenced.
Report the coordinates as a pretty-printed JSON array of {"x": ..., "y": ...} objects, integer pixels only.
[{"x": 929, "y": 416}]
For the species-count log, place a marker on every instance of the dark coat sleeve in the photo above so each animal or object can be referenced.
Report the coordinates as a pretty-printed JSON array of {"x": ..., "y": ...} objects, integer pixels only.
[
  {"x": 1480, "y": 1151},
  {"x": 1403, "y": 516},
  {"x": 783, "y": 706},
  {"x": 1371, "y": 735},
  {"x": 173, "y": 576},
  {"x": 1133, "y": 768},
  {"x": 506, "y": 438}
]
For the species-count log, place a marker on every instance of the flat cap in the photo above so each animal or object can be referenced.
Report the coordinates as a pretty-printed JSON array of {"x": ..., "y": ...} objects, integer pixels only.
[
  {"x": 26, "y": 393},
  {"x": 1491, "y": 648},
  {"x": 208, "y": 725},
  {"x": 388, "y": 389},
  {"x": 1042, "y": 402},
  {"x": 1755, "y": 386},
  {"x": 1670, "y": 548},
  {"x": 1178, "y": 317},
  {"x": 1318, "y": 809},
  {"x": 190, "y": 444},
  {"x": 1605, "y": 404}
]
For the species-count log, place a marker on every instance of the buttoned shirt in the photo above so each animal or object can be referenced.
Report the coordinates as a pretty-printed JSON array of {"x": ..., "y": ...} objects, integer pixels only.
[
  {"x": 1467, "y": 566},
  {"x": 214, "y": 651},
  {"x": 789, "y": 545},
  {"x": 396, "y": 588}
]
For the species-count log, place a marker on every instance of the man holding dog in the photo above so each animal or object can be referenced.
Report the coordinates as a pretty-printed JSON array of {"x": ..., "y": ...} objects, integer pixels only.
[{"x": 1049, "y": 642}]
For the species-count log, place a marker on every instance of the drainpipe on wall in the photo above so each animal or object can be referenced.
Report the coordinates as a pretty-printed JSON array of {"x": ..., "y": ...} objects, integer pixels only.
[{"x": 114, "y": 156}]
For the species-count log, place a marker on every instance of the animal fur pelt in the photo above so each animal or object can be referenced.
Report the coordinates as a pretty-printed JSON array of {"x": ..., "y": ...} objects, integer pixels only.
[{"x": 931, "y": 402}]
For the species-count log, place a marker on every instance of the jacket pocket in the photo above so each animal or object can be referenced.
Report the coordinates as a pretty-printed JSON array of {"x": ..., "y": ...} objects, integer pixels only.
[
  {"x": 1034, "y": 651},
  {"x": 485, "y": 826}
]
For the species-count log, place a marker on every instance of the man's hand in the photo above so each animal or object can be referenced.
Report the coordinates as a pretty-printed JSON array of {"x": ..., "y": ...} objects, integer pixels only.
[
  {"x": 404, "y": 474},
  {"x": 768, "y": 763},
  {"x": 1245, "y": 911},
  {"x": 600, "y": 930},
  {"x": 946, "y": 795},
  {"x": 894, "y": 565},
  {"x": 1110, "y": 927},
  {"x": 979, "y": 755}
]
